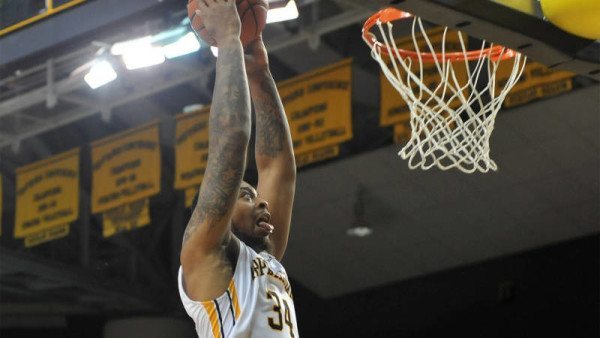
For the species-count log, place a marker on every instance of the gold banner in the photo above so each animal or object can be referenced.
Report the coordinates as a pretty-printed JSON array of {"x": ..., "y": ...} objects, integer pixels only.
[
  {"x": 317, "y": 155},
  {"x": 537, "y": 81},
  {"x": 393, "y": 108},
  {"x": 191, "y": 148},
  {"x": 125, "y": 168},
  {"x": 47, "y": 194},
  {"x": 318, "y": 107},
  {"x": 47, "y": 235},
  {"x": 190, "y": 194},
  {"x": 126, "y": 217}
]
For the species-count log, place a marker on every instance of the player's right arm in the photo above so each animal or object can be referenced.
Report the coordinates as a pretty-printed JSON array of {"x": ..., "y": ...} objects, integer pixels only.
[{"x": 206, "y": 272}]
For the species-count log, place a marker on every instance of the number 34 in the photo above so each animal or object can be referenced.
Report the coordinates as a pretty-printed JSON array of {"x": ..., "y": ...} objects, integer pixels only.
[{"x": 277, "y": 323}]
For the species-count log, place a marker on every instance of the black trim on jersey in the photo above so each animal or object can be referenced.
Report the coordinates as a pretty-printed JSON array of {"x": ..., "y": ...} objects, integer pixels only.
[
  {"x": 220, "y": 318},
  {"x": 231, "y": 307}
]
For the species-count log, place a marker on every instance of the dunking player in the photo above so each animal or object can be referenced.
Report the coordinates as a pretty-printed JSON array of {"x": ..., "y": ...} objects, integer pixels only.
[{"x": 231, "y": 282}]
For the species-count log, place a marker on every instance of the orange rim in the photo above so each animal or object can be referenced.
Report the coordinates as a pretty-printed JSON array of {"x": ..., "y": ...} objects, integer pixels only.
[{"x": 392, "y": 14}]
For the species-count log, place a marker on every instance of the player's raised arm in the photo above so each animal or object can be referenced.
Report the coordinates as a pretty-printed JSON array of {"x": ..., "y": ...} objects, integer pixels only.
[
  {"x": 229, "y": 133},
  {"x": 274, "y": 151}
]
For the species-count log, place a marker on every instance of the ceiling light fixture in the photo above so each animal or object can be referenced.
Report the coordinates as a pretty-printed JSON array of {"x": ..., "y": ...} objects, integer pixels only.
[
  {"x": 143, "y": 57},
  {"x": 124, "y": 47},
  {"x": 360, "y": 225},
  {"x": 100, "y": 74},
  {"x": 278, "y": 14},
  {"x": 361, "y": 231},
  {"x": 185, "y": 45}
]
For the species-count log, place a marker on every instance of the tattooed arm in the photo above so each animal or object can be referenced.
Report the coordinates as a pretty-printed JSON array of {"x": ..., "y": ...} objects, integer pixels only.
[
  {"x": 274, "y": 152},
  {"x": 205, "y": 268}
]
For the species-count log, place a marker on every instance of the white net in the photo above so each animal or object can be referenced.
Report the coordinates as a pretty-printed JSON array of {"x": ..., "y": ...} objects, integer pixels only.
[{"x": 442, "y": 134}]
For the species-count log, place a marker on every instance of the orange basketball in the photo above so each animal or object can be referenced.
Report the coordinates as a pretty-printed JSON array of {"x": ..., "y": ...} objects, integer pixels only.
[{"x": 253, "y": 15}]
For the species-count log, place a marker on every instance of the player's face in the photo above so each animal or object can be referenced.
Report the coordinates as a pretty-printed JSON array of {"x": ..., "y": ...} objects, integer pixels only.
[{"x": 251, "y": 217}]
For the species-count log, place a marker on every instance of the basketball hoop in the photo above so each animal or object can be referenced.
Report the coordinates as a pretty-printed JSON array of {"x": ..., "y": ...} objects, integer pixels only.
[{"x": 452, "y": 121}]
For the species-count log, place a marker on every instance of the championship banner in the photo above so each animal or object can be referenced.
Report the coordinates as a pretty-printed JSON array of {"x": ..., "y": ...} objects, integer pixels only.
[
  {"x": 317, "y": 155},
  {"x": 318, "y": 107},
  {"x": 126, "y": 217},
  {"x": 50, "y": 234},
  {"x": 537, "y": 81},
  {"x": 47, "y": 198},
  {"x": 393, "y": 107},
  {"x": 125, "y": 168},
  {"x": 191, "y": 148}
]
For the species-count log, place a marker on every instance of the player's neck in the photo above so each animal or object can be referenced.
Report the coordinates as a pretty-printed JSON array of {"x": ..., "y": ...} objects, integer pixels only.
[{"x": 257, "y": 244}]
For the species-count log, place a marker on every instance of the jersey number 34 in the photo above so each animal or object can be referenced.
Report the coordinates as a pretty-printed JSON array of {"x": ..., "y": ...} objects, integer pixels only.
[{"x": 276, "y": 323}]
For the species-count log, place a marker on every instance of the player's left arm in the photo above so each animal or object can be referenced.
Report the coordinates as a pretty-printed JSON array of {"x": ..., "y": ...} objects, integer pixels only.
[{"x": 274, "y": 152}]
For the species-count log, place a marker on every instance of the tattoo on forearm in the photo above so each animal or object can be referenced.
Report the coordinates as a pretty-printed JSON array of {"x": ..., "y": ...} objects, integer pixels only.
[
  {"x": 229, "y": 127},
  {"x": 271, "y": 126},
  {"x": 224, "y": 175}
]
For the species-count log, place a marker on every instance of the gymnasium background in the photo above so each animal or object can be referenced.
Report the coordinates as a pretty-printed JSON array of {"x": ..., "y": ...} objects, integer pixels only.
[{"x": 96, "y": 186}]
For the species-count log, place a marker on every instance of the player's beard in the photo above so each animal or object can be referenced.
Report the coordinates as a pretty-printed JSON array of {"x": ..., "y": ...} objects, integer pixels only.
[{"x": 258, "y": 244}]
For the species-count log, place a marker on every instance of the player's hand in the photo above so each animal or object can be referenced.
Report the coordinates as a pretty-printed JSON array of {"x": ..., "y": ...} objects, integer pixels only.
[
  {"x": 220, "y": 18},
  {"x": 256, "y": 57}
]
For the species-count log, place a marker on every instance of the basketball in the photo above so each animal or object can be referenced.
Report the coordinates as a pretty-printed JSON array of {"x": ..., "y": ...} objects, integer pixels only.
[{"x": 253, "y": 16}]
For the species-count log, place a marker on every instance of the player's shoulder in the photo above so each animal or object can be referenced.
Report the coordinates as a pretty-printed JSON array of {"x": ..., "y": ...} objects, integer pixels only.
[{"x": 208, "y": 278}]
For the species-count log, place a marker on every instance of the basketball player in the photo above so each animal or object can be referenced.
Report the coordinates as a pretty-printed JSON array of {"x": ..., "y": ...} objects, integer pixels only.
[{"x": 230, "y": 281}]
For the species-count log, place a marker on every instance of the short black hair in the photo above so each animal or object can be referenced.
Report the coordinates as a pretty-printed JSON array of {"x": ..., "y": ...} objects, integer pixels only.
[{"x": 197, "y": 194}]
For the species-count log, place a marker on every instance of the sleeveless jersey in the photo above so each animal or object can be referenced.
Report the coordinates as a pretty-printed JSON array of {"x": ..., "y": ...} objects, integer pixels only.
[{"x": 257, "y": 303}]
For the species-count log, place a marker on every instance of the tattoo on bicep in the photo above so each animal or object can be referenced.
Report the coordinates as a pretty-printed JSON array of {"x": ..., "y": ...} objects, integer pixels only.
[
  {"x": 225, "y": 170},
  {"x": 271, "y": 126},
  {"x": 191, "y": 226}
]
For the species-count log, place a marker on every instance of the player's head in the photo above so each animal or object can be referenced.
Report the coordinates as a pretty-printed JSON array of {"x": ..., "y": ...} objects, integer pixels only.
[{"x": 250, "y": 214}]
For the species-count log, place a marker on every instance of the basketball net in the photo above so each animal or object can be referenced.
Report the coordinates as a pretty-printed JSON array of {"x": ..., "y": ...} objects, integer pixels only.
[{"x": 445, "y": 135}]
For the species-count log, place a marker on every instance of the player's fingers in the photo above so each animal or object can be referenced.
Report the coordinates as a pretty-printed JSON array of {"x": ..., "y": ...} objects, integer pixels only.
[
  {"x": 189, "y": 7},
  {"x": 202, "y": 4}
]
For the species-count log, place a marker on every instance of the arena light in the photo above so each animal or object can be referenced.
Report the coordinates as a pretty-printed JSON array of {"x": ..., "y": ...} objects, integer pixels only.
[
  {"x": 143, "y": 57},
  {"x": 124, "y": 47},
  {"x": 360, "y": 231},
  {"x": 278, "y": 14},
  {"x": 185, "y": 45},
  {"x": 100, "y": 74}
]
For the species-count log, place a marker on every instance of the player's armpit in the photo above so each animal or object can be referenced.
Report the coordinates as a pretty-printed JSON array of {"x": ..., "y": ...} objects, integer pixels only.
[{"x": 209, "y": 277}]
